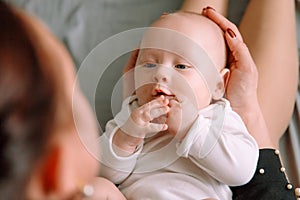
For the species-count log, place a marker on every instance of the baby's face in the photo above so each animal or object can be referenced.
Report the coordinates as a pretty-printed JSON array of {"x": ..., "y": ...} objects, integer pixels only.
[
  {"x": 159, "y": 72},
  {"x": 175, "y": 68}
]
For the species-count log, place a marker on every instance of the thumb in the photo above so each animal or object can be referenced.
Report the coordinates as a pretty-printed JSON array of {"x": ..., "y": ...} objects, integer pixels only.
[{"x": 239, "y": 52}]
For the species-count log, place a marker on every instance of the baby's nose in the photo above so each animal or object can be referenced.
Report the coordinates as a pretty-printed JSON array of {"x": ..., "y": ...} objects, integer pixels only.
[{"x": 162, "y": 74}]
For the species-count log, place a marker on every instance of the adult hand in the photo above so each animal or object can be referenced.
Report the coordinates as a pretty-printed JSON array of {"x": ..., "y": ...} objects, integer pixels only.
[
  {"x": 242, "y": 85},
  {"x": 128, "y": 75}
]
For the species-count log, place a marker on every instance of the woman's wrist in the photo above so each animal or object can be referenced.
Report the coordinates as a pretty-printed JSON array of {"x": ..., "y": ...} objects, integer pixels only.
[{"x": 253, "y": 118}]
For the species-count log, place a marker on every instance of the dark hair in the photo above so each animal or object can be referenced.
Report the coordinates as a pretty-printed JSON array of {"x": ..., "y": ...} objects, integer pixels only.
[{"x": 27, "y": 105}]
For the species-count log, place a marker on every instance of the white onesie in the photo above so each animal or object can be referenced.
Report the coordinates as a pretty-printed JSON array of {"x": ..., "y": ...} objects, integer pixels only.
[{"x": 217, "y": 152}]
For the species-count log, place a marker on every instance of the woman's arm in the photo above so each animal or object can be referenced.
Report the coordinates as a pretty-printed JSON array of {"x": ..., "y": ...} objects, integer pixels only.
[
  {"x": 269, "y": 30},
  {"x": 243, "y": 82},
  {"x": 269, "y": 181}
]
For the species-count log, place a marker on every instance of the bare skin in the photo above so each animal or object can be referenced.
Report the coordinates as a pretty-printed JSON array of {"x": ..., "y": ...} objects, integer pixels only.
[
  {"x": 173, "y": 109},
  {"x": 278, "y": 74},
  {"x": 273, "y": 45},
  {"x": 243, "y": 96}
]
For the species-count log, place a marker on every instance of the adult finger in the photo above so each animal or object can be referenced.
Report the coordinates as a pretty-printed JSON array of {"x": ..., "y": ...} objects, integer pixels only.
[
  {"x": 221, "y": 21},
  {"x": 240, "y": 52}
]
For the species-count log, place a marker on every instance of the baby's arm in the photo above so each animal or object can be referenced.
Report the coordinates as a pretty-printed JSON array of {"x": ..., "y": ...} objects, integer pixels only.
[
  {"x": 228, "y": 153},
  {"x": 114, "y": 167},
  {"x": 121, "y": 142}
]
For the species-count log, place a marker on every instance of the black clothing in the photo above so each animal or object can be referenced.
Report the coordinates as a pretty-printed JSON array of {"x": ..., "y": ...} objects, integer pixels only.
[{"x": 269, "y": 181}]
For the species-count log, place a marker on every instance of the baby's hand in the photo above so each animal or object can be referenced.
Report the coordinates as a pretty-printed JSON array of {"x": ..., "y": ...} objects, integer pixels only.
[
  {"x": 174, "y": 118},
  {"x": 141, "y": 124},
  {"x": 180, "y": 118},
  {"x": 141, "y": 121}
]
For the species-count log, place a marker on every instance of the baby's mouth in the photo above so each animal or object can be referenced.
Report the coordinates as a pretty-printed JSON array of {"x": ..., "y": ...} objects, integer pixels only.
[{"x": 163, "y": 91}]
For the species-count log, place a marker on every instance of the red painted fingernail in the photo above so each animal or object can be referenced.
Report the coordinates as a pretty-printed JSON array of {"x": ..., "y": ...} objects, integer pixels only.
[
  {"x": 231, "y": 33},
  {"x": 209, "y": 7}
]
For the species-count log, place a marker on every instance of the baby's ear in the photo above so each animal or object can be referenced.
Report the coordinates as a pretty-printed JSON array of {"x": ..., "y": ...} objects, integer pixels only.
[
  {"x": 220, "y": 86},
  {"x": 225, "y": 73}
]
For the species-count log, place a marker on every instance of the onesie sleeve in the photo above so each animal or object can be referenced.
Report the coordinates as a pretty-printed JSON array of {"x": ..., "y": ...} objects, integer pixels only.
[{"x": 219, "y": 143}]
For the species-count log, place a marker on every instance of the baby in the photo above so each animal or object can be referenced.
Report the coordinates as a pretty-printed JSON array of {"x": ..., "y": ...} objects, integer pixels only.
[{"x": 177, "y": 137}]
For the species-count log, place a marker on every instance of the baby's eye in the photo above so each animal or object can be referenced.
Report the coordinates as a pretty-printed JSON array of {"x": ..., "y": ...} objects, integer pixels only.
[
  {"x": 181, "y": 66},
  {"x": 149, "y": 65}
]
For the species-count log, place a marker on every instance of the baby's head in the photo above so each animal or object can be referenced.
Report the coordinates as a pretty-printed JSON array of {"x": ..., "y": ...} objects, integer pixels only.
[
  {"x": 190, "y": 45},
  {"x": 201, "y": 30}
]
